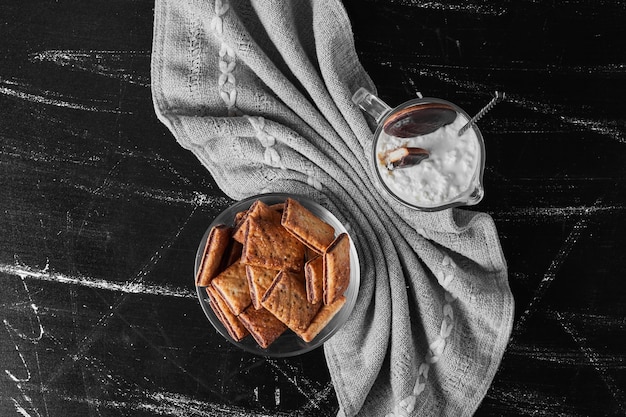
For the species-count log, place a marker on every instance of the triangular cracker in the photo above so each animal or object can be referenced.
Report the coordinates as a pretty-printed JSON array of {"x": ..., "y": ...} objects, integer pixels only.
[
  {"x": 286, "y": 299},
  {"x": 263, "y": 325},
  {"x": 307, "y": 227},
  {"x": 269, "y": 245},
  {"x": 336, "y": 268},
  {"x": 321, "y": 319},
  {"x": 232, "y": 285},
  {"x": 235, "y": 328},
  {"x": 314, "y": 277},
  {"x": 259, "y": 280},
  {"x": 239, "y": 230},
  {"x": 258, "y": 210},
  {"x": 212, "y": 258}
]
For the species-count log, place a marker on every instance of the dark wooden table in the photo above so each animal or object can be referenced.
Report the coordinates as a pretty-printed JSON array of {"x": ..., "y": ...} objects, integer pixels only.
[{"x": 102, "y": 211}]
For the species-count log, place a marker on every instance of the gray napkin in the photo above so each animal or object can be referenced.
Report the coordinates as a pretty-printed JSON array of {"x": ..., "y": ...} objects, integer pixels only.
[{"x": 260, "y": 92}]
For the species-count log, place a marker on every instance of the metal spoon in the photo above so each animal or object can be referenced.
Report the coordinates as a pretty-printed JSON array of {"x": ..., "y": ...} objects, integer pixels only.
[{"x": 498, "y": 98}]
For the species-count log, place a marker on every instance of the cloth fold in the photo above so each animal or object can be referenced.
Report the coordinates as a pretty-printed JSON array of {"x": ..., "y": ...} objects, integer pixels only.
[{"x": 260, "y": 92}]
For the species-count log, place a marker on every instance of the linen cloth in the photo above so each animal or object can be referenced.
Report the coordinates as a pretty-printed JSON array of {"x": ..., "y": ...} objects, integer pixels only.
[{"x": 260, "y": 92}]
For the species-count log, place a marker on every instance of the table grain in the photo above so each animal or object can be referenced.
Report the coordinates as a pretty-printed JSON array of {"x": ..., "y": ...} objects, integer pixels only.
[{"x": 102, "y": 211}]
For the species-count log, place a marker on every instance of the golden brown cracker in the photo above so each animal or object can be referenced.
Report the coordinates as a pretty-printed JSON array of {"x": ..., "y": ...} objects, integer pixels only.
[
  {"x": 233, "y": 253},
  {"x": 310, "y": 253},
  {"x": 232, "y": 285},
  {"x": 259, "y": 280},
  {"x": 321, "y": 319},
  {"x": 240, "y": 217},
  {"x": 279, "y": 207},
  {"x": 314, "y": 278},
  {"x": 271, "y": 213},
  {"x": 307, "y": 227},
  {"x": 259, "y": 210},
  {"x": 233, "y": 325},
  {"x": 216, "y": 245},
  {"x": 239, "y": 227},
  {"x": 263, "y": 325},
  {"x": 336, "y": 268},
  {"x": 286, "y": 299},
  {"x": 270, "y": 245}
]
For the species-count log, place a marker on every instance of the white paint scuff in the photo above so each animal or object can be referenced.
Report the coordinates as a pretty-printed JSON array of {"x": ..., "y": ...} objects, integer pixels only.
[{"x": 125, "y": 287}]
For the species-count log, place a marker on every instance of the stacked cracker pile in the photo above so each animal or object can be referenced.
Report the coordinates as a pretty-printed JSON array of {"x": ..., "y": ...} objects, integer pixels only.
[{"x": 279, "y": 267}]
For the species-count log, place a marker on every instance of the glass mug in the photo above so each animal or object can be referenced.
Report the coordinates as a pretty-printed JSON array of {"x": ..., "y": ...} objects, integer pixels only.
[{"x": 419, "y": 156}]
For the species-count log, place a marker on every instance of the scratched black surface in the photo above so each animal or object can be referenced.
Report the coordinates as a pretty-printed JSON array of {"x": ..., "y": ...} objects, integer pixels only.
[{"x": 101, "y": 211}]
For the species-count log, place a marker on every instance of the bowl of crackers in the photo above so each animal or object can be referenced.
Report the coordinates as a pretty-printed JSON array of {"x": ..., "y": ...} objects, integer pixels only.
[{"x": 277, "y": 274}]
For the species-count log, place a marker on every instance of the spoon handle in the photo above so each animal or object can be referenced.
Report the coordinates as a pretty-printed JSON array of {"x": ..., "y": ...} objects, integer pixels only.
[{"x": 499, "y": 97}]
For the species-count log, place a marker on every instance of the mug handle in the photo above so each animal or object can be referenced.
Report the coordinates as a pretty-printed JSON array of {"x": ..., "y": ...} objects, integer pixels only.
[{"x": 371, "y": 104}]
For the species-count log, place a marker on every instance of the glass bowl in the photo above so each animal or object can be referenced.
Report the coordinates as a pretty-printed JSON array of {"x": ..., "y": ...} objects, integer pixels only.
[{"x": 288, "y": 344}]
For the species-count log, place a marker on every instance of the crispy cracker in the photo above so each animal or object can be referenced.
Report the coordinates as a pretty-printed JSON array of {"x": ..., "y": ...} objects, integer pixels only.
[
  {"x": 239, "y": 229},
  {"x": 232, "y": 285},
  {"x": 321, "y": 319},
  {"x": 259, "y": 280},
  {"x": 233, "y": 326},
  {"x": 240, "y": 216},
  {"x": 258, "y": 210},
  {"x": 279, "y": 207},
  {"x": 263, "y": 325},
  {"x": 314, "y": 278},
  {"x": 310, "y": 253},
  {"x": 216, "y": 245},
  {"x": 307, "y": 227},
  {"x": 336, "y": 268},
  {"x": 269, "y": 245},
  {"x": 270, "y": 213},
  {"x": 233, "y": 253},
  {"x": 286, "y": 299}
]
